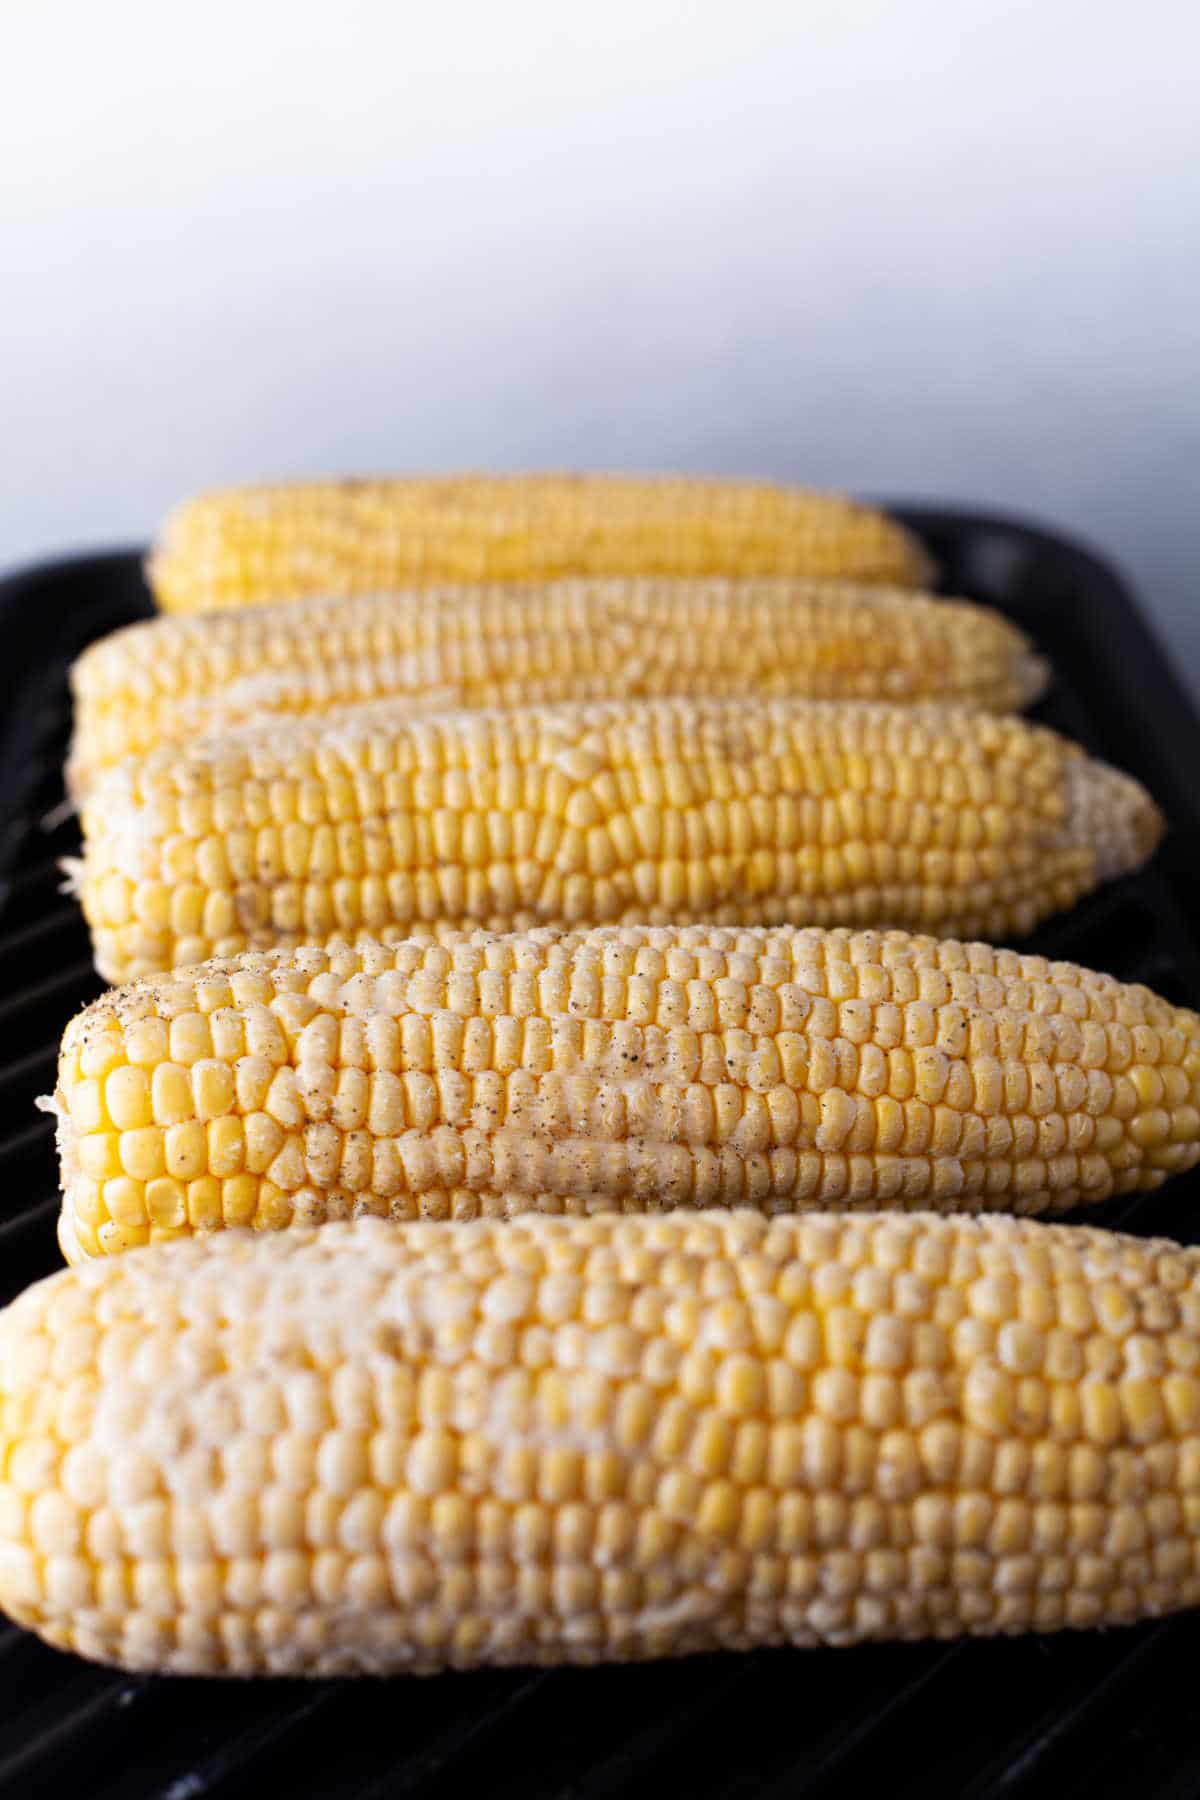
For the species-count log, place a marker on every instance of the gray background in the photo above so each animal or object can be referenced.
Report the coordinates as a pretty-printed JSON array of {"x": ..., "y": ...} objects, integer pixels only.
[{"x": 947, "y": 251}]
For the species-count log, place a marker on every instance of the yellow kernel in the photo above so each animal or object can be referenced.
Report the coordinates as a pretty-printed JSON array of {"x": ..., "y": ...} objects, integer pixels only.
[
  {"x": 835, "y": 1394},
  {"x": 1101, "y": 1411},
  {"x": 125, "y": 1200},
  {"x": 880, "y": 1402},
  {"x": 146, "y": 1042},
  {"x": 988, "y": 1399},
  {"x": 170, "y": 1094},
  {"x": 1181, "y": 1395},
  {"x": 226, "y": 1145},
  {"x": 204, "y": 1203},
  {"x": 719, "y": 1511},
  {"x": 741, "y": 1387},
  {"x": 1142, "y": 1405},
  {"x": 141, "y": 1153},
  {"x": 1020, "y": 1348},
  {"x": 165, "y": 1203},
  {"x": 127, "y": 1097},
  {"x": 99, "y": 1155},
  {"x": 86, "y": 1107},
  {"x": 212, "y": 1088},
  {"x": 190, "y": 1038},
  {"x": 712, "y": 1447},
  {"x": 183, "y": 1149}
]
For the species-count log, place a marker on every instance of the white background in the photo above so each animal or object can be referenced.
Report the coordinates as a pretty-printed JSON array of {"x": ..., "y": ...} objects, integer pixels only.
[{"x": 935, "y": 248}]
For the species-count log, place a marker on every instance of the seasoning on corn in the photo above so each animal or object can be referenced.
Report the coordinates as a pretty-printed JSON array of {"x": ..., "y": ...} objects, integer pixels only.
[
  {"x": 631, "y": 1068},
  {"x": 173, "y": 678},
  {"x": 293, "y": 540},
  {"x": 735, "y": 811},
  {"x": 576, "y": 1441}
]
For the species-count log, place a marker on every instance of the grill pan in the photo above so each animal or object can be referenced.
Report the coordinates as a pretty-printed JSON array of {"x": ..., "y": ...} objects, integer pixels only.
[{"x": 1102, "y": 1713}]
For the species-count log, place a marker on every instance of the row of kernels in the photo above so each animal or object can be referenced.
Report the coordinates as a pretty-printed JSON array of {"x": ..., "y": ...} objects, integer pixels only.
[
  {"x": 580, "y": 1177},
  {"x": 819, "y": 853},
  {"x": 914, "y": 757},
  {"x": 321, "y": 632},
  {"x": 902, "y": 1052},
  {"x": 136, "y": 1094},
  {"x": 1003, "y": 1112},
  {"x": 313, "y": 781},
  {"x": 465, "y": 622},
  {"x": 815, "y": 883},
  {"x": 912, "y": 1005},
  {"x": 130, "y": 1098},
  {"x": 334, "y": 1644},
  {"x": 1112, "y": 1309},
  {"x": 807, "y": 1456},
  {"x": 871, "y": 966},
  {"x": 562, "y": 665},
  {"x": 542, "y": 1561},
  {"x": 967, "y": 1584},
  {"x": 697, "y": 1004},
  {"x": 165, "y": 1203},
  {"x": 269, "y": 1639}
]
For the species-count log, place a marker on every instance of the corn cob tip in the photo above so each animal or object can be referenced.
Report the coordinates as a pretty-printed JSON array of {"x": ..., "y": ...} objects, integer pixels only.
[
  {"x": 1031, "y": 677},
  {"x": 70, "y": 1248},
  {"x": 1113, "y": 813}
]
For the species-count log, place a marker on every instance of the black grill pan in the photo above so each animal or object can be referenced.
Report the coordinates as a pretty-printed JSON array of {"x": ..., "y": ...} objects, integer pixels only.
[{"x": 1102, "y": 1714}]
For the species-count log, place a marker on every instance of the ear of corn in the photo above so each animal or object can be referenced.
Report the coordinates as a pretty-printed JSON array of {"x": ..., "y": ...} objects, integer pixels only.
[
  {"x": 297, "y": 539},
  {"x": 172, "y": 678},
  {"x": 736, "y": 811},
  {"x": 637, "y": 1068},
  {"x": 588, "y": 1440}
]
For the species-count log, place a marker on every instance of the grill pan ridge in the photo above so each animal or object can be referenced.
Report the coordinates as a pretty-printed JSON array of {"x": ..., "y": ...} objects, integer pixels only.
[{"x": 1106, "y": 1713}]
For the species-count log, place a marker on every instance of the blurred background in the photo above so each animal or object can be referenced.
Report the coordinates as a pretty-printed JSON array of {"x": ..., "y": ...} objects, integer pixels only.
[{"x": 934, "y": 250}]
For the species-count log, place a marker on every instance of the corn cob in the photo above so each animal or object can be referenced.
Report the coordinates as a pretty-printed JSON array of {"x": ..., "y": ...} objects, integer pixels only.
[
  {"x": 175, "y": 678},
  {"x": 298, "y": 539},
  {"x": 576, "y": 1441},
  {"x": 736, "y": 811},
  {"x": 634, "y": 1068}
]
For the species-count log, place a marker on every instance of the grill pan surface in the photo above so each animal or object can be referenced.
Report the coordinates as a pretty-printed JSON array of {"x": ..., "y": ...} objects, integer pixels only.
[{"x": 1099, "y": 1713}]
